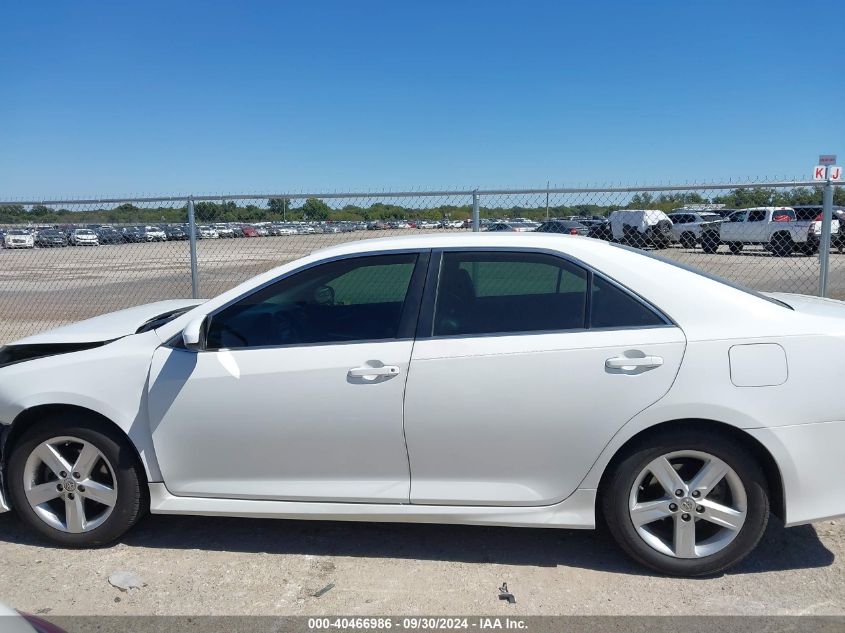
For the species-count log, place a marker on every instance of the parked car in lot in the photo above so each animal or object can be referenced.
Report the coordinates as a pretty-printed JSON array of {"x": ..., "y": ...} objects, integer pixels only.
[
  {"x": 568, "y": 227},
  {"x": 687, "y": 226},
  {"x": 18, "y": 238},
  {"x": 205, "y": 232},
  {"x": 776, "y": 228},
  {"x": 109, "y": 235},
  {"x": 224, "y": 230},
  {"x": 513, "y": 226},
  {"x": 153, "y": 233},
  {"x": 50, "y": 238},
  {"x": 641, "y": 227},
  {"x": 598, "y": 228},
  {"x": 815, "y": 213},
  {"x": 83, "y": 237},
  {"x": 133, "y": 234},
  {"x": 174, "y": 232},
  {"x": 681, "y": 428}
]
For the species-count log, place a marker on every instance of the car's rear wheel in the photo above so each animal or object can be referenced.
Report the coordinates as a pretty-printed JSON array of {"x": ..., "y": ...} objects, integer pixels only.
[
  {"x": 688, "y": 240},
  {"x": 75, "y": 481},
  {"x": 709, "y": 243},
  {"x": 687, "y": 504},
  {"x": 782, "y": 244}
]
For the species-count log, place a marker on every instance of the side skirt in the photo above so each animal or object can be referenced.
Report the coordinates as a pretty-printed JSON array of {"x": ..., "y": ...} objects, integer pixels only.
[{"x": 575, "y": 512}]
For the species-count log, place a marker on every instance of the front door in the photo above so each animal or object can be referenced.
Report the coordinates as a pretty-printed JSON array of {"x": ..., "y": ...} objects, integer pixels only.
[
  {"x": 531, "y": 365},
  {"x": 298, "y": 392},
  {"x": 733, "y": 230}
]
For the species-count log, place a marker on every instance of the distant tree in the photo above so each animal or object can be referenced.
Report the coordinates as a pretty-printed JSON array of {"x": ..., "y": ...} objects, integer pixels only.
[
  {"x": 279, "y": 206},
  {"x": 315, "y": 209}
]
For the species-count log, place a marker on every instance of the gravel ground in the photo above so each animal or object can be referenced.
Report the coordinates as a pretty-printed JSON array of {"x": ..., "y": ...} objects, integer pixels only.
[
  {"x": 44, "y": 288},
  {"x": 227, "y": 566}
]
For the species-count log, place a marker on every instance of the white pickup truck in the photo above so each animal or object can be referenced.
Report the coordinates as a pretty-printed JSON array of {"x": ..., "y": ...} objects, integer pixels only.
[{"x": 776, "y": 228}]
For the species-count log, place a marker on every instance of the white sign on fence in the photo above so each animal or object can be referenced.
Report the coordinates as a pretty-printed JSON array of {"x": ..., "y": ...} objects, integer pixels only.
[
  {"x": 819, "y": 172},
  {"x": 834, "y": 172},
  {"x": 827, "y": 159}
]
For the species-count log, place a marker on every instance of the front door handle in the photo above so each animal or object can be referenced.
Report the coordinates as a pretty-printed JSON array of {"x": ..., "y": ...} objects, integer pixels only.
[
  {"x": 629, "y": 364},
  {"x": 373, "y": 372}
]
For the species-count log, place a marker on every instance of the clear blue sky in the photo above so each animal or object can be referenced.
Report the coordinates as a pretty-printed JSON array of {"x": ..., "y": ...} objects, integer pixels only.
[{"x": 167, "y": 97}]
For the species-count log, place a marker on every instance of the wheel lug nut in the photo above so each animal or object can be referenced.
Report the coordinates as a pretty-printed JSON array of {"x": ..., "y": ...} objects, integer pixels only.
[
  {"x": 82, "y": 489},
  {"x": 76, "y": 475},
  {"x": 696, "y": 494},
  {"x": 679, "y": 493},
  {"x": 699, "y": 509},
  {"x": 70, "y": 496},
  {"x": 63, "y": 474},
  {"x": 685, "y": 517},
  {"x": 59, "y": 487},
  {"x": 673, "y": 507}
]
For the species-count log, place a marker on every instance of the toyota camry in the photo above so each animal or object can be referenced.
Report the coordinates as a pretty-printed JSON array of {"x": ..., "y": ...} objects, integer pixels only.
[{"x": 531, "y": 380}]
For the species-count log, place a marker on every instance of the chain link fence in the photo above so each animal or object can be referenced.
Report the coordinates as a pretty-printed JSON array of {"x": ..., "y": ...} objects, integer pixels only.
[{"x": 64, "y": 261}]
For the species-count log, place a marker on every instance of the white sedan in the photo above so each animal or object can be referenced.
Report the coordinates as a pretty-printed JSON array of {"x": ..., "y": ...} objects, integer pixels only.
[
  {"x": 375, "y": 381},
  {"x": 18, "y": 238}
]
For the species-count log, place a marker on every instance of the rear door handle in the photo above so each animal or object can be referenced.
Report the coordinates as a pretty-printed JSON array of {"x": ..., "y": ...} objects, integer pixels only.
[
  {"x": 373, "y": 372},
  {"x": 625, "y": 363}
]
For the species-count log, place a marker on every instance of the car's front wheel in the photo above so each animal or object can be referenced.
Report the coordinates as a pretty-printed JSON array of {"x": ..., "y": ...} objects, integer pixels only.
[
  {"x": 690, "y": 503},
  {"x": 75, "y": 481}
]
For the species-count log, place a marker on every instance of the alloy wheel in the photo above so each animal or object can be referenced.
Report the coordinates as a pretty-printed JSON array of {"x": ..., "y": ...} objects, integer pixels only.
[
  {"x": 688, "y": 504},
  {"x": 69, "y": 484}
]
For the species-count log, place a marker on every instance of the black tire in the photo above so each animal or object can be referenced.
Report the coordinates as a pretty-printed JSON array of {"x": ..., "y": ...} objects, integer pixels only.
[
  {"x": 688, "y": 240},
  {"x": 632, "y": 237},
  {"x": 617, "y": 486},
  {"x": 736, "y": 247},
  {"x": 709, "y": 243},
  {"x": 131, "y": 500},
  {"x": 782, "y": 245}
]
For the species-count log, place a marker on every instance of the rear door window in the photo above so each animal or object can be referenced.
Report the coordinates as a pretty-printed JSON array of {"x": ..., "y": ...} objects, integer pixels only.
[{"x": 501, "y": 292}]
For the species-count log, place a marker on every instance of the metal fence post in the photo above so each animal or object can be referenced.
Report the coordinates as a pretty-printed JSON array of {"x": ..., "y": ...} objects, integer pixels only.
[
  {"x": 824, "y": 246},
  {"x": 547, "y": 201},
  {"x": 476, "y": 221},
  {"x": 192, "y": 237}
]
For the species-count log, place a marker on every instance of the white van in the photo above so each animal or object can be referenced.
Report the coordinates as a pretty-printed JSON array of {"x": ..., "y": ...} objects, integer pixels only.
[{"x": 641, "y": 227}]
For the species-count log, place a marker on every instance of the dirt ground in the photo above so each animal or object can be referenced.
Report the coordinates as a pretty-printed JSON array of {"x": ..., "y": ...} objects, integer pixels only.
[{"x": 227, "y": 566}]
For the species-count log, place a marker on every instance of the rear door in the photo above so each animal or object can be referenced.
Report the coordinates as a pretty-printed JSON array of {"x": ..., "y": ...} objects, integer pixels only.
[{"x": 524, "y": 367}]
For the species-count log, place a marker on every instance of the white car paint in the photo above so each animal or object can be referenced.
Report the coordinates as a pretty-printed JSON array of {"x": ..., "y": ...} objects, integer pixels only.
[
  {"x": 108, "y": 326},
  {"x": 18, "y": 238},
  {"x": 509, "y": 430}
]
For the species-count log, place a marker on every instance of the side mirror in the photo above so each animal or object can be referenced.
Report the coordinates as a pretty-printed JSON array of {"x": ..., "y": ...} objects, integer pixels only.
[{"x": 192, "y": 334}]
